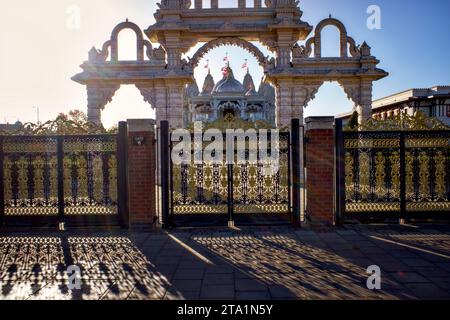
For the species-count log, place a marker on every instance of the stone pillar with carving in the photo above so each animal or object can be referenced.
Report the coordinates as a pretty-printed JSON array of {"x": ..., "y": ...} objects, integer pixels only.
[
  {"x": 365, "y": 104},
  {"x": 284, "y": 103},
  {"x": 98, "y": 97},
  {"x": 161, "y": 105},
  {"x": 175, "y": 96}
]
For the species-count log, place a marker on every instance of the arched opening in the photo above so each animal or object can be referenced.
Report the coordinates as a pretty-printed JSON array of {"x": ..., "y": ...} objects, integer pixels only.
[
  {"x": 237, "y": 56},
  {"x": 331, "y": 42},
  {"x": 228, "y": 82},
  {"x": 228, "y": 3},
  {"x": 126, "y": 43},
  {"x": 127, "y": 103},
  {"x": 206, "y": 4},
  {"x": 330, "y": 100}
]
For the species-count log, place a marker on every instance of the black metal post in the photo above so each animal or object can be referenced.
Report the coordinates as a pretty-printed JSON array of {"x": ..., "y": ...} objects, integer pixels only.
[
  {"x": 296, "y": 173},
  {"x": 340, "y": 172},
  {"x": 60, "y": 160},
  {"x": 2, "y": 191},
  {"x": 165, "y": 174},
  {"x": 403, "y": 214},
  {"x": 230, "y": 156},
  {"x": 122, "y": 174}
]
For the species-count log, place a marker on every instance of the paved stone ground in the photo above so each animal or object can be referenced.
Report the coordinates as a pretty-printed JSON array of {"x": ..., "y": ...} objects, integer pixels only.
[{"x": 251, "y": 263}]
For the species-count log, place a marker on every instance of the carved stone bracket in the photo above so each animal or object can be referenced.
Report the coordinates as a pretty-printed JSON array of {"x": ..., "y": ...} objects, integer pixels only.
[
  {"x": 98, "y": 97},
  {"x": 352, "y": 90},
  {"x": 149, "y": 94}
]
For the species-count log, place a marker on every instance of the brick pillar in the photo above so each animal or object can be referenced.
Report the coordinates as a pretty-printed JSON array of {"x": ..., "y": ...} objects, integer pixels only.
[
  {"x": 141, "y": 172},
  {"x": 320, "y": 170}
]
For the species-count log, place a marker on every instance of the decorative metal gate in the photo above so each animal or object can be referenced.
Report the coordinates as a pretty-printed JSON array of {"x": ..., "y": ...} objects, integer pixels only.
[
  {"x": 62, "y": 179},
  {"x": 234, "y": 189},
  {"x": 393, "y": 174}
]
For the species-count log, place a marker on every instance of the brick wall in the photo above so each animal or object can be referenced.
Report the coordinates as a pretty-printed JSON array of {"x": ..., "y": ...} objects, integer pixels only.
[
  {"x": 320, "y": 170},
  {"x": 141, "y": 173}
]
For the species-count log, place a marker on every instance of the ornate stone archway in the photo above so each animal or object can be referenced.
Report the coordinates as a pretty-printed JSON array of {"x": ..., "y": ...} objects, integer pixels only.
[
  {"x": 207, "y": 47},
  {"x": 161, "y": 74}
]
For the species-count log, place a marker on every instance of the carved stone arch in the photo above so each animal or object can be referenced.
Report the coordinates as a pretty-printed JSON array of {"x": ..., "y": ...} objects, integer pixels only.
[
  {"x": 140, "y": 42},
  {"x": 195, "y": 60},
  {"x": 318, "y": 36}
]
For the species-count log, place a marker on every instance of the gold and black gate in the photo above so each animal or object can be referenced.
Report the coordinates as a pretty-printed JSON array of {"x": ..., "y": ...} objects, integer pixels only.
[
  {"x": 71, "y": 179},
  {"x": 208, "y": 193},
  {"x": 393, "y": 174}
]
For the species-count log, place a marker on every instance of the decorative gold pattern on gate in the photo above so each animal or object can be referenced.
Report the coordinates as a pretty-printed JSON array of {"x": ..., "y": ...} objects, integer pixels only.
[
  {"x": 364, "y": 174},
  {"x": 409, "y": 178},
  {"x": 402, "y": 121},
  {"x": 372, "y": 207},
  {"x": 112, "y": 170},
  {"x": 82, "y": 179},
  {"x": 349, "y": 176},
  {"x": 67, "y": 167},
  {"x": 22, "y": 165},
  {"x": 38, "y": 165},
  {"x": 53, "y": 166},
  {"x": 424, "y": 176},
  {"x": 395, "y": 174},
  {"x": 427, "y": 142},
  {"x": 372, "y": 143},
  {"x": 380, "y": 175},
  {"x": 428, "y": 206},
  {"x": 97, "y": 177},
  {"x": 7, "y": 172},
  {"x": 41, "y": 145},
  {"x": 440, "y": 176}
]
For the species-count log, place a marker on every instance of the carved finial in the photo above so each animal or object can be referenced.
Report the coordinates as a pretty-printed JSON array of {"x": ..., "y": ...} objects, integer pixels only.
[{"x": 365, "y": 49}]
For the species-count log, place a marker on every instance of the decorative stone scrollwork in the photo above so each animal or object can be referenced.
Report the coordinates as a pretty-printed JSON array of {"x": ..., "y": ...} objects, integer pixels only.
[
  {"x": 175, "y": 4},
  {"x": 347, "y": 44}
]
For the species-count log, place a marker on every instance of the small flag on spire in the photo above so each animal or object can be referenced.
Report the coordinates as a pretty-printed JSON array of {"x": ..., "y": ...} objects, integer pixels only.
[
  {"x": 207, "y": 64},
  {"x": 226, "y": 58},
  {"x": 245, "y": 65}
]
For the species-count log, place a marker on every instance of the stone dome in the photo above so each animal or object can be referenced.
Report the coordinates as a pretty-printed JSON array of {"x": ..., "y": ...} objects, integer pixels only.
[{"x": 228, "y": 84}]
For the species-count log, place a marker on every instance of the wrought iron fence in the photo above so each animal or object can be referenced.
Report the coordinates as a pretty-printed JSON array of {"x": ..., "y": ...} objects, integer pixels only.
[
  {"x": 393, "y": 174},
  {"x": 54, "y": 179},
  {"x": 211, "y": 188}
]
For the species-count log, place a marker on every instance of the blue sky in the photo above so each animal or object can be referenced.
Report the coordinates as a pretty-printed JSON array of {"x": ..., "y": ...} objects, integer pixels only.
[{"x": 39, "y": 53}]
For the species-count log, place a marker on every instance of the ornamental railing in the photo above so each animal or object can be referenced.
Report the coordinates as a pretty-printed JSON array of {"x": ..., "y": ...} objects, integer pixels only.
[
  {"x": 395, "y": 174},
  {"x": 51, "y": 179}
]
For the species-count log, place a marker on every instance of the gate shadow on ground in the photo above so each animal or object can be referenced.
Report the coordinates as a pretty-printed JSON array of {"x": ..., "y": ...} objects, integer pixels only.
[{"x": 253, "y": 263}]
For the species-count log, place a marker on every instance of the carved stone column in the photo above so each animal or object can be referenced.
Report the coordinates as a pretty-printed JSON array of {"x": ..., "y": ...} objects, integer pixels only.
[
  {"x": 284, "y": 103},
  {"x": 365, "y": 105},
  {"x": 175, "y": 96},
  {"x": 161, "y": 102},
  {"x": 98, "y": 97}
]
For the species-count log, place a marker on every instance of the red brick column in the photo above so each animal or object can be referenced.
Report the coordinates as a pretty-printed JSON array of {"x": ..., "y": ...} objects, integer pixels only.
[
  {"x": 320, "y": 173},
  {"x": 141, "y": 172}
]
